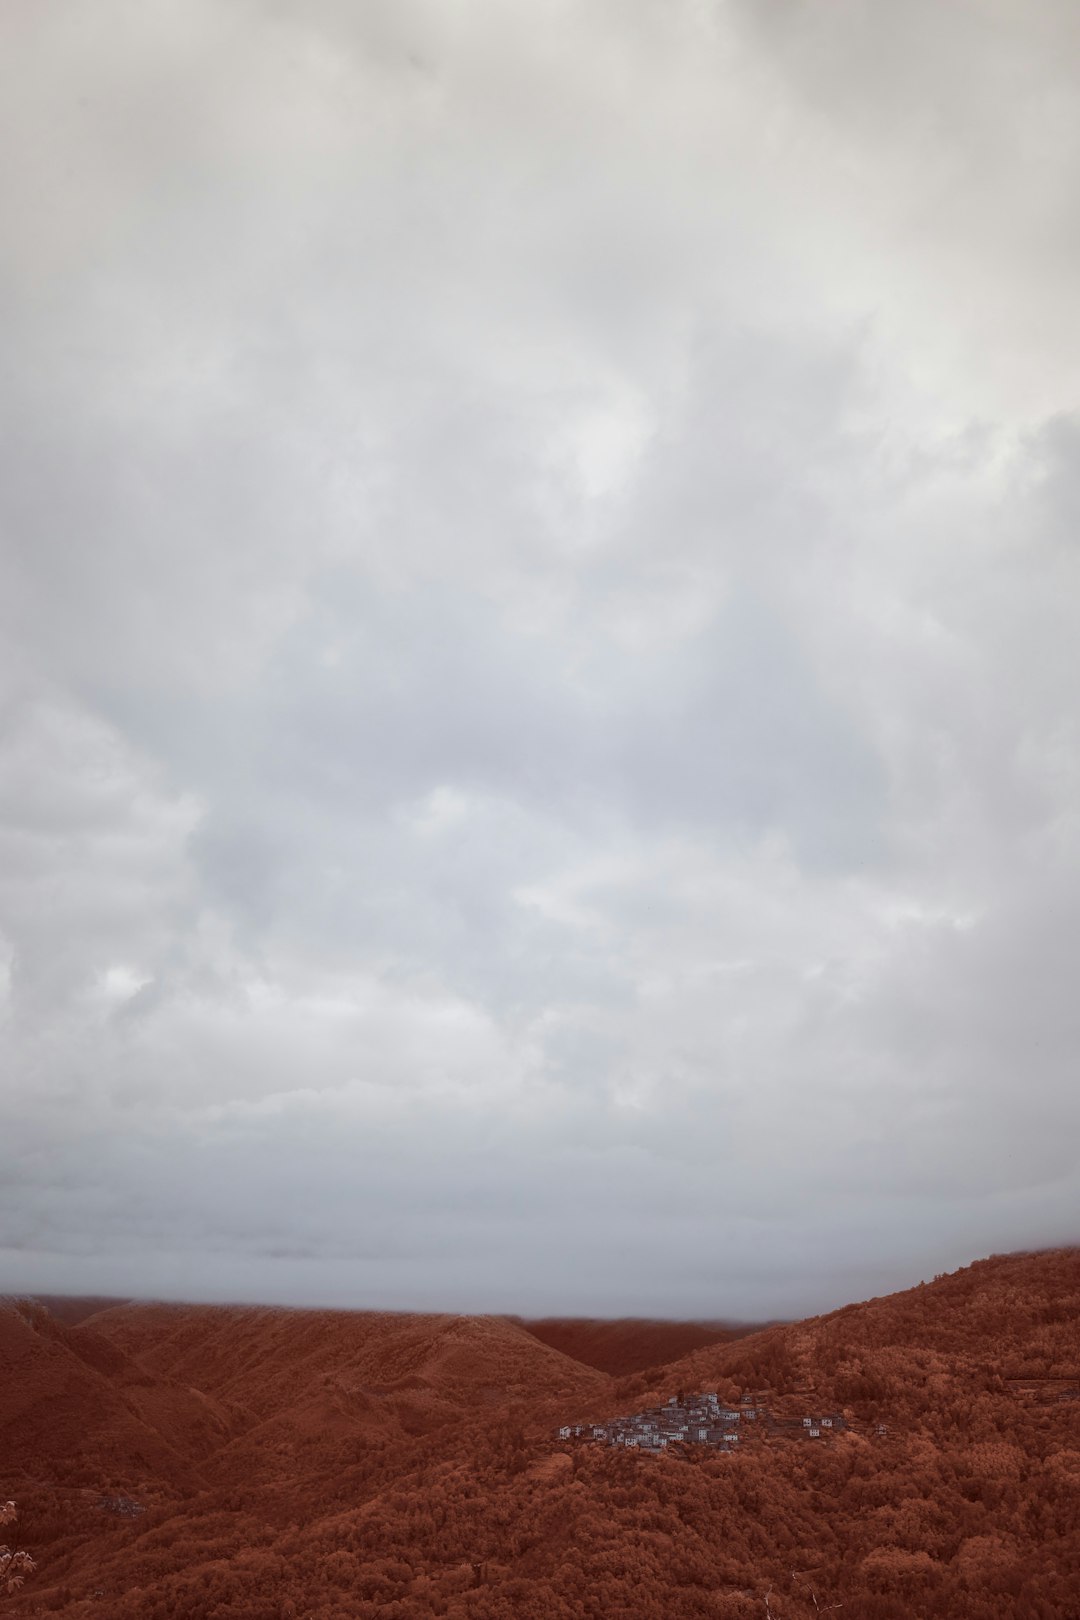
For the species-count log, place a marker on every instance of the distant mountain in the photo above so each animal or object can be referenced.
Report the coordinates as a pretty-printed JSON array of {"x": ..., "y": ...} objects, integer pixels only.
[
  {"x": 259, "y": 1356},
  {"x": 71, "y": 1309},
  {"x": 327, "y": 1387},
  {"x": 258, "y": 1464},
  {"x": 631, "y": 1344}
]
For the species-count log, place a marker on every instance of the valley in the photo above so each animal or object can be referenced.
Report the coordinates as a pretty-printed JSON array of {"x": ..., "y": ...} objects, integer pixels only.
[{"x": 176, "y": 1461}]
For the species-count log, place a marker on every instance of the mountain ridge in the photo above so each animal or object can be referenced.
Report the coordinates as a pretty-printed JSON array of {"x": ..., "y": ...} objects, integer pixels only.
[{"x": 344, "y": 1466}]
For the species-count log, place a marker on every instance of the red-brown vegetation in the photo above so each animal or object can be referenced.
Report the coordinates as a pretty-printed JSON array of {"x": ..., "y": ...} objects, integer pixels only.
[
  {"x": 15, "y": 1562},
  {"x": 342, "y": 1467},
  {"x": 71, "y": 1309},
  {"x": 631, "y": 1344}
]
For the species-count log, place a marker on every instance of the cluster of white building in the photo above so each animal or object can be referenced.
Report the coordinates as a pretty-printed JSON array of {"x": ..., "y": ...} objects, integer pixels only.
[{"x": 697, "y": 1420}]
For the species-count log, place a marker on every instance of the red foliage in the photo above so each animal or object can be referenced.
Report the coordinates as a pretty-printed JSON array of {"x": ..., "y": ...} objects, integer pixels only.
[
  {"x": 630, "y": 1345},
  {"x": 341, "y": 1466}
]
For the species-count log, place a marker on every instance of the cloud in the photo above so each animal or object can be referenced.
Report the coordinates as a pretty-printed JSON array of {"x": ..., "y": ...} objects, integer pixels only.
[{"x": 538, "y": 613}]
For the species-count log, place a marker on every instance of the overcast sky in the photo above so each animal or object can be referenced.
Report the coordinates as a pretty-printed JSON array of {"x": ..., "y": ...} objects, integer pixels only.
[{"x": 540, "y": 612}]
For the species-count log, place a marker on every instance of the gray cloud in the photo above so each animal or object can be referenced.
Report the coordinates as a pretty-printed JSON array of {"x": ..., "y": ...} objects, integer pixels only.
[{"x": 538, "y": 627}]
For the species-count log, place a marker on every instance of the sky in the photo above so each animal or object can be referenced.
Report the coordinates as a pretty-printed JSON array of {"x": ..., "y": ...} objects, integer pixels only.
[{"x": 539, "y": 649}]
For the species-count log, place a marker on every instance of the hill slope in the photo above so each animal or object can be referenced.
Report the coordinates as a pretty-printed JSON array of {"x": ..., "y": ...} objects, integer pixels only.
[
  {"x": 631, "y": 1344},
  {"x": 1010, "y": 1318},
  {"x": 260, "y": 1356},
  {"x": 966, "y": 1507},
  {"x": 76, "y": 1410},
  {"x": 71, "y": 1309},
  {"x": 308, "y": 1392}
]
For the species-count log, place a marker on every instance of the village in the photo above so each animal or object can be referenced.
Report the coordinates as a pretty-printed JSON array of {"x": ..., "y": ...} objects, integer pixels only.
[
  {"x": 701, "y": 1420},
  {"x": 705, "y": 1420}
]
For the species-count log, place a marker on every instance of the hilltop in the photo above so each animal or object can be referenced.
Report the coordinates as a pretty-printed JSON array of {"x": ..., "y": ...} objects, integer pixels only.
[{"x": 343, "y": 1466}]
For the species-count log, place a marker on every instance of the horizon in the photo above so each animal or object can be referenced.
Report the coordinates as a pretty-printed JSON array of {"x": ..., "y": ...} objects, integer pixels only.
[
  {"x": 539, "y": 641},
  {"x": 721, "y": 1323},
  {"x": 804, "y": 1304}
]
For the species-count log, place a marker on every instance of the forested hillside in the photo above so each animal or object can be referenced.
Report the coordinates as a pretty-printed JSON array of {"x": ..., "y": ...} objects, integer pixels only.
[
  {"x": 201, "y": 1462},
  {"x": 629, "y": 1345}
]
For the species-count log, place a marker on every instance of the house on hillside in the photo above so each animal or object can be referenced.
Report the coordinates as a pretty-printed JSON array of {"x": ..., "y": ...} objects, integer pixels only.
[{"x": 698, "y": 1420}]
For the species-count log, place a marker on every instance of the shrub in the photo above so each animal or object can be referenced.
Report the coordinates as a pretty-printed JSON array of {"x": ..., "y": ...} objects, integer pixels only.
[{"x": 15, "y": 1564}]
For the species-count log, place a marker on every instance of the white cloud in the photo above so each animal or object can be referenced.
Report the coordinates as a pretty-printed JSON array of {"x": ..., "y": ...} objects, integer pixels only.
[{"x": 539, "y": 604}]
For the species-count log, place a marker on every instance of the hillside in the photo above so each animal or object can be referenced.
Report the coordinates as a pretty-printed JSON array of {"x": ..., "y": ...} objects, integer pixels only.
[
  {"x": 258, "y": 1356},
  {"x": 1008, "y": 1319},
  {"x": 71, "y": 1309},
  {"x": 309, "y": 1392},
  {"x": 404, "y": 1467},
  {"x": 630, "y": 1344},
  {"x": 76, "y": 1411}
]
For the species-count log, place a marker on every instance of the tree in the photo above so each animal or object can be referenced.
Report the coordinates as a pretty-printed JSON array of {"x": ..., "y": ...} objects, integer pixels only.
[{"x": 15, "y": 1564}]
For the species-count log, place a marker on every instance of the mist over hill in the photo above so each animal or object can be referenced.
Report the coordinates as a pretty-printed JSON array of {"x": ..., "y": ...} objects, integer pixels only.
[{"x": 212, "y": 1461}]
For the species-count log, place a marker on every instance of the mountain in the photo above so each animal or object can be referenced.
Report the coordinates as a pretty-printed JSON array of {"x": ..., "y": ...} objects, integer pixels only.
[
  {"x": 370, "y": 1465},
  {"x": 309, "y": 1392},
  {"x": 995, "y": 1324},
  {"x": 631, "y": 1344},
  {"x": 258, "y": 1356},
  {"x": 78, "y": 1413},
  {"x": 71, "y": 1309}
]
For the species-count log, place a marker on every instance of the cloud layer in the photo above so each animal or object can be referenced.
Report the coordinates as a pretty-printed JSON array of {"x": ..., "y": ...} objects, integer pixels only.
[{"x": 540, "y": 601}]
